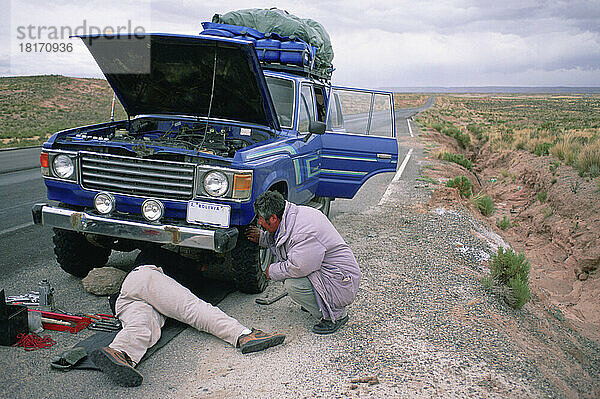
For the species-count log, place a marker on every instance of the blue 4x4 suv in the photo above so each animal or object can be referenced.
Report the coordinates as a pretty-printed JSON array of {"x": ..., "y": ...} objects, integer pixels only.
[{"x": 209, "y": 129}]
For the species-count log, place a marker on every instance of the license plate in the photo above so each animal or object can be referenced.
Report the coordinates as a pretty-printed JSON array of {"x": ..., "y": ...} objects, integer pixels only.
[{"x": 207, "y": 213}]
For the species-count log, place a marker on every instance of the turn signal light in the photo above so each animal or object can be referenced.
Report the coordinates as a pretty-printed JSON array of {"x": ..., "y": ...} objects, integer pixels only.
[
  {"x": 242, "y": 186},
  {"x": 45, "y": 164}
]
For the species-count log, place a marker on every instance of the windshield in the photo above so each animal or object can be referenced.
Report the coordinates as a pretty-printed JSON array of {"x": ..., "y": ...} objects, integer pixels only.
[{"x": 282, "y": 94}]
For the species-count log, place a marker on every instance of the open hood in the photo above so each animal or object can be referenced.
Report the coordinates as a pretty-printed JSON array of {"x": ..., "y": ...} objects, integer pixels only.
[{"x": 174, "y": 74}]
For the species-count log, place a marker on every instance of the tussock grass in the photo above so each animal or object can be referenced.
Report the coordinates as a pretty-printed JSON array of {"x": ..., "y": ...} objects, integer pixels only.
[
  {"x": 566, "y": 149},
  {"x": 578, "y": 149},
  {"x": 503, "y": 223},
  {"x": 478, "y": 131},
  {"x": 542, "y": 196},
  {"x": 456, "y": 158},
  {"x": 484, "y": 203},
  {"x": 565, "y": 127},
  {"x": 509, "y": 276},
  {"x": 462, "y": 184},
  {"x": 588, "y": 161},
  {"x": 449, "y": 129}
]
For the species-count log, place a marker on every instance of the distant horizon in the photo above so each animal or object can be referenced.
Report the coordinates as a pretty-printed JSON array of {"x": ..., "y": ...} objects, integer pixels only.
[
  {"x": 483, "y": 89},
  {"x": 560, "y": 89}
]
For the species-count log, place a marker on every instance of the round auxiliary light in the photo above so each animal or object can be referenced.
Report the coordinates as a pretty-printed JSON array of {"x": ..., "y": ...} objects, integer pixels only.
[
  {"x": 153, "y": 210},
  {"x": 63, "y": 166},
  {"x": 104, "y": 203},
  {"x": 216, "y": 184}
]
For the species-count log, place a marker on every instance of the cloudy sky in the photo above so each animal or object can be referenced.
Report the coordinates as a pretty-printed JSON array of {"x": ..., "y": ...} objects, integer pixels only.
[{"x": 377, "y": 43}]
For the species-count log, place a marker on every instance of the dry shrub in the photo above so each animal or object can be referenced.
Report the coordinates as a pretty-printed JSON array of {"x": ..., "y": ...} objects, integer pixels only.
[
  {"x": 440, "y": 151},
  {"x": 521, "y": 141},
  {"x": 588, "y": 161},
  {"x": 534, "y": 143},
  {"x": 566, "y": 149}
]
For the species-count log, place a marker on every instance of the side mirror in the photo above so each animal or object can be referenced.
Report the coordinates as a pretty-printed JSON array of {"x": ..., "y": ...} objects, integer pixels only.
[{"x": 316, "y": 127}]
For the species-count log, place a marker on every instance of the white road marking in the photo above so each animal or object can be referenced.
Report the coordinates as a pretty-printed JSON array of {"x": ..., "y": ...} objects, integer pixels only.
[
  {"x": 409, "y": 128},
  {"x": 397, "y": 176},
  {"x": 15, "y": 228}
]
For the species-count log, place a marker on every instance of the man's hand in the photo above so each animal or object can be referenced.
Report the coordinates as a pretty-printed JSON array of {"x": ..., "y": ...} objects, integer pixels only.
[{"x": 253, "y": 233}]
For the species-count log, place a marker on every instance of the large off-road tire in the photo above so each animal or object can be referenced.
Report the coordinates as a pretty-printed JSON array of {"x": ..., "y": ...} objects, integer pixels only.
[
  {"x": 76, "y": 255},
  {"x": 326, "y": 206},
  {"x": 247, "y": 259},
  {"x": 322, "y": 203}
]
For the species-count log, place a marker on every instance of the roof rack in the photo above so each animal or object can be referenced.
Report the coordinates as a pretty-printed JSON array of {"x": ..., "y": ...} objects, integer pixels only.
[{"x": 297, "y": 70}]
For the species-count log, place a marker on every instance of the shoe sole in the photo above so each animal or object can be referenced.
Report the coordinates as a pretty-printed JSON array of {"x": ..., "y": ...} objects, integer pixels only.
[
  {"x": 337, "y": 327},
  {"x": 122, "y": 375},
  {"x": 263, "y": 344}
]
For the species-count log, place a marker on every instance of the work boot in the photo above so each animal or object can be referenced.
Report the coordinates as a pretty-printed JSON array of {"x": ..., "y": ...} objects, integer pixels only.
[
  {"x": 258, "y": 341},
  {"x": 118, "y": 366},
  {"x": 326, "y": 326}
]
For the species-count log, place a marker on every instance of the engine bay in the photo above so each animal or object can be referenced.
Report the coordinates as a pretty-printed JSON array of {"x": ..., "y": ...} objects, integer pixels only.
[{"x": 203, "y": 137}]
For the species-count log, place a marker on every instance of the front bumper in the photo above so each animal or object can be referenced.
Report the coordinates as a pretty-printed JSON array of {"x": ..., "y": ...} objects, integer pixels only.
[{"x": 218, "y": 240}]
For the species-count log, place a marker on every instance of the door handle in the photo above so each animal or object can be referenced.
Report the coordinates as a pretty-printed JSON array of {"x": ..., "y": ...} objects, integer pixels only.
[{"x": 384, "y": 156}]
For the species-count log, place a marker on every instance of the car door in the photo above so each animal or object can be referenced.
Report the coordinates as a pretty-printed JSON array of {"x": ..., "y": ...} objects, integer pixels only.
[{"x": 359, "y": 142}]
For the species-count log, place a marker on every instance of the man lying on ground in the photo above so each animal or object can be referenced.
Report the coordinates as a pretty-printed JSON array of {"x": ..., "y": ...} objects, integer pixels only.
[{"x": 146, "y": 298}]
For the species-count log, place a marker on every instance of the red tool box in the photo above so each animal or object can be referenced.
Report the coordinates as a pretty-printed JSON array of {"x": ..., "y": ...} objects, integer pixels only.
[{"x": 77, "y": 323}]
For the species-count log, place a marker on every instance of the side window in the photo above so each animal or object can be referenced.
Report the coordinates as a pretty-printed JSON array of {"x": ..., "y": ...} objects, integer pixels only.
[
  {"x": 307, "y": 108},
  {"x": 380, "y": 125},
  {"x": 335, "y": 121},
  {"x": 362, "y": 112},
  {"x": 282, "y": 93},
  {"x": 303, "y": 116},
  {"x": 320, "y": 103}
]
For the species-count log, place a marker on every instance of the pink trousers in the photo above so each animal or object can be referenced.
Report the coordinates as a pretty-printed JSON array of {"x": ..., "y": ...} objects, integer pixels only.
[{"x": 148, "y": 296}]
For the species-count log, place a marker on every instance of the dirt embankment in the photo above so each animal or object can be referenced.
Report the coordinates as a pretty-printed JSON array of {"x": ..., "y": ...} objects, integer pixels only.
[{"x": 554, "y": 217}]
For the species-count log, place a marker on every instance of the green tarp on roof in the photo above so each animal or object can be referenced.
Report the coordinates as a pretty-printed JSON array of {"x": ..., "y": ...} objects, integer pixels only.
[{"x": 284, "y": 24}]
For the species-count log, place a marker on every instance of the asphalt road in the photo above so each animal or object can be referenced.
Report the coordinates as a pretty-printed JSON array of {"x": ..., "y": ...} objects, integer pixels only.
[{"x": 27, "y": 257}]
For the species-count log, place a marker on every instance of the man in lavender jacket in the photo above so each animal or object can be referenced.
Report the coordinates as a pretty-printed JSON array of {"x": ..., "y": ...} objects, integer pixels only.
[{"x": 317, "y": 267}]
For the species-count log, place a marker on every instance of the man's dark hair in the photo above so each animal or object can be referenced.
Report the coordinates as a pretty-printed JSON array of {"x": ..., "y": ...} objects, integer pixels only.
[{"x": 269, "y": 203}]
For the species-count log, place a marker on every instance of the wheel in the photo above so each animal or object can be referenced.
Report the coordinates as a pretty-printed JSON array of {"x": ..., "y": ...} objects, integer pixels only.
[
  {"x": 323, "y": 204},
  {"x": 326, "y": 206},
  {"x": 76, "y": 255},
  {"x": 247, "y": 262}
]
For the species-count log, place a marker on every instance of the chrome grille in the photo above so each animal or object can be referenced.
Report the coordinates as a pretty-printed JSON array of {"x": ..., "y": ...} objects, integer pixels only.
[{"x": 134, "y": 176}]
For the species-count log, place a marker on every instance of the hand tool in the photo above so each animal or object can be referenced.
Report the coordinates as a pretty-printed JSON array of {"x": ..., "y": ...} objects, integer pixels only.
[
  {"x": 76, "y": 323},
  {"x": 54, "y": 321},
  {"x": 267, "y": 301},
  {"x": 106, "y": 324},
  {"x": 103, "y": 327},
  {"x": 104, "y": 319},
  {"x": 31, "y": 297}
]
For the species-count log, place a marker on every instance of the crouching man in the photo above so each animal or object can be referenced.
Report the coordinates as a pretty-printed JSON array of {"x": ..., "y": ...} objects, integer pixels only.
[
  {"x": 146, "y": 298},
  {"x": 317, "y": 267}
]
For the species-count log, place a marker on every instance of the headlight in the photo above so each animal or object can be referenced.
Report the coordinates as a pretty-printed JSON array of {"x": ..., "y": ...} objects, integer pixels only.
[
  {"x": 152, "y": 210},
  {"x": 216, "y": 184},
  {"x": 104, "y": 203},
  {"x": 63, "y": 166}
]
